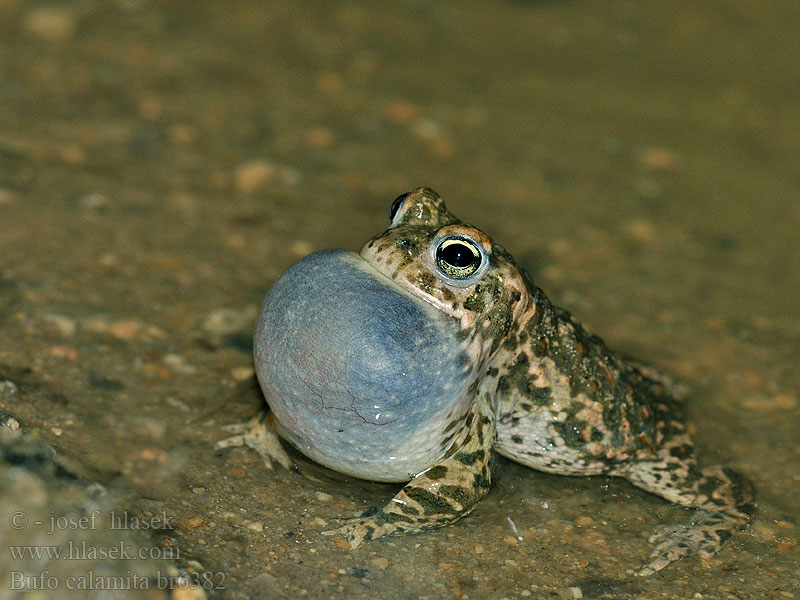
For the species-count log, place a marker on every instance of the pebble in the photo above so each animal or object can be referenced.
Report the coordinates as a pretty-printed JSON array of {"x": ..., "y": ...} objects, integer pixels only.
[
  {"x": 67, "y": 352},
  {"x": 431, "y": 132},
  {"x": 323, "y": 497},
  {"x": 5, "y": 196},
  {"x": 52, "y": 23},
  {"x": 93, "y": 202},
  {"x": 242, "y": 373},
  {"x": 178, "y": 363},
  {"x": 63, "y": 326},
  {"x": 640, "y": 231},
  {"x": 770, "y": 403},
  {"x": 584, "y": 521},
  {"x": 251, "y": 176},
  {"x": 9, "y": 421},
  {"x": 190, "y": 523},
  {"x": 300, "y": 248},
  {"x": 511, "y": 540},
  {"x": 330, "y": 82},
  {"x": 190, "y": 592},
  {"x": 380, "y": 562},
  {"x": 595, "y": 542},
  {"x": 72, "y": 154},
  {"x": 227, "y": 321},
  {"x": 659, "y": 158},
  {"x": 319, "y": 138},
  {"x": 401, "y": 113},
  {"x": 8, "y": 388},
  {"x": 125, "y": 330}
]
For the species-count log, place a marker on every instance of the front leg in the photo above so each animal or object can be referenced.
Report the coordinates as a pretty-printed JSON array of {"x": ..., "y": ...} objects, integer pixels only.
[
  {"x": 439, "y": 495},
  {"x": 258, "y": 434}
]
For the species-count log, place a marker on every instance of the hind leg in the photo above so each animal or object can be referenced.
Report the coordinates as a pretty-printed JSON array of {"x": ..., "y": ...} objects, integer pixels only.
[{"x": 723, "y": 499}]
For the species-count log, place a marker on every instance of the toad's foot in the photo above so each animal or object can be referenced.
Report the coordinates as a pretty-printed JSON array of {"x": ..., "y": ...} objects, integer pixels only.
[
  {"x": 439, "y": 495},
  {"x": 675, "y": 541},
  {"x": 259, "y": 435},
  {"x": 723, "y": 496}
]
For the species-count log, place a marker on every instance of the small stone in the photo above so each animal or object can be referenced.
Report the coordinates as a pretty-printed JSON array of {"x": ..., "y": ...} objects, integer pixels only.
[
  {"x": 427, "y": 129},
  {"x": 255, "y": 526},
  {"x": 659, "y": 158},
  {"x": 190, "y": 523},
  {"x": 584, "y": 521},
  {"x": 72, "y": 154},
  {"x": 151, "y": 107},
  {"x": 511, "y": 541},
  {"x": 330, "y": 82},
  {"x": 640, "y": 231},
  {"x": 10, "y": 422},
  {"x": 154, "y": 455},
  {"x": 109, "y": 260},
  {"x": 227, "y": 321},
  {"x": 93, "y": 202},
  {"x": 8, "y": 387},
  {"x": 125, "y": 330},
  {"x": 67, "y": 352},
  {"x": 300, "y": 248},
  {"x": 5, "y": 196},
  {"x": 323, "y": 497},
  {"x": 188, "y": 592},
  {"x": 595, "y": 542},
  {"x": 63, "y": 326},
  {"x": 319, "y": 138},
  {"x": 251, "y": 176},
  {"x": 178, "y": 363},
  {"x": 57, "y": 431},
  {"x": 770, "y": 403},
  {"x": 242, "y": 373},
  {"x": 51, "y": 23},
  {"x": 182, "y": 133},
  {"x": 379, "y": 562},
  {"x": 400, "y": 113}
]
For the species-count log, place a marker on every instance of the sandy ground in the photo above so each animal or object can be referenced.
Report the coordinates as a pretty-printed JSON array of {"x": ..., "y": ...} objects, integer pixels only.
[{"x": 161, "y": 163}]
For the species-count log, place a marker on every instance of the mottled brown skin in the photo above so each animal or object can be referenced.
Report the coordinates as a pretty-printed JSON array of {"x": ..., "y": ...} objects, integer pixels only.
[{"x": 548, "y": 395}]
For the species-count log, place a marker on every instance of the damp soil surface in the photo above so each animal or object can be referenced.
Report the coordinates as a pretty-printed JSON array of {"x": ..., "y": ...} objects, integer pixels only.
[{"x": 161, "y": 163}]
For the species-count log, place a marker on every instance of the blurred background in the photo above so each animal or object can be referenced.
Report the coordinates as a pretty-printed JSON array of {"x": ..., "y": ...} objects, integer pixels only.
[{"x": 161, "y": 163}]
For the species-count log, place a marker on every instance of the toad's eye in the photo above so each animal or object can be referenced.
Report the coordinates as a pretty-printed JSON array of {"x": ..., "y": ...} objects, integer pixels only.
[
  {"x": 396, "y": 206},
  {"x": 458, "y": 258}
]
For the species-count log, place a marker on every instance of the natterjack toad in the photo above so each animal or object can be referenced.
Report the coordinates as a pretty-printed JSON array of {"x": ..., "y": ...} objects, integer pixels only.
[{"x": 418, "y": 358}]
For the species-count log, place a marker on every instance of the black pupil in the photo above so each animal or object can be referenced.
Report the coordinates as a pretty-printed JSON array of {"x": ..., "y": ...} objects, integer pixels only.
[
  {"x": 458, "y": 255},
  {"x": 396, "y": 206}
]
